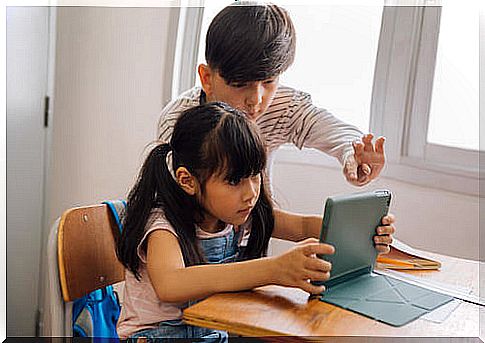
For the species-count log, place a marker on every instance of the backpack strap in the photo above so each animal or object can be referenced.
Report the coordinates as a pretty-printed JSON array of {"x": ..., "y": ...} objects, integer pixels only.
[{"x": 118, "y": 210}]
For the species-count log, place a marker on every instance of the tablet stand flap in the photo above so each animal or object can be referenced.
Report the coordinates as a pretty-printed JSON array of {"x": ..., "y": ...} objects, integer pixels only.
[{"x": 383, "y": 298}]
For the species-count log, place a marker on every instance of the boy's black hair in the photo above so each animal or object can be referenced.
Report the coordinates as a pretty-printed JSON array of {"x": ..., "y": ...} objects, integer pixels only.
[
  {"x": 248, "y": 41},
  {"x": 209, "y": 139}
]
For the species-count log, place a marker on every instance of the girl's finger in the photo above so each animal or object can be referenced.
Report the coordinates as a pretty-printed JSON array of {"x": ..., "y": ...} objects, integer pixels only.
[
  {"x": 318, "y": 248},
  {"x": 386, "y": 239},
  {"x": 385, "y": 230},
  {"x": 389, "y": 219},
  {"x": 317, "y": 264},
  {"x": 308, "y": 241},
  {"x": 308, "y": 287},
  {"x": 383, "y": 248},
  {"x": 316, "y": 276}
]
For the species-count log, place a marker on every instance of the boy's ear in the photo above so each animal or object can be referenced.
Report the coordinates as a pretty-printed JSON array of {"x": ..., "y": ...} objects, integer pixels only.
[
  {"x": 186, "y": 180},
  {"x": 205, "y": 75}
]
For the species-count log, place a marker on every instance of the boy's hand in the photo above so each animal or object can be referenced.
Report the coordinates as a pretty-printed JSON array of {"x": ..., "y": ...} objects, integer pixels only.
[
  {"x": 367, "y": 161},
  {"x": 383, "y": 238},
  {"x": 300, "y": 265}
]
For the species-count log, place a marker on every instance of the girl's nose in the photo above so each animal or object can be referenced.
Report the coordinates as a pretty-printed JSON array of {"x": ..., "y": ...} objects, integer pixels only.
[{"x": 251, "y": 190}]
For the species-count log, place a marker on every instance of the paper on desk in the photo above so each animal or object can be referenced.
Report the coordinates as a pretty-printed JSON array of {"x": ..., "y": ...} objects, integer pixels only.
[
  {"x": 409, "y": 250},
  {"x": 441, "y": 287},
  {"x": 442, "y": 313}
]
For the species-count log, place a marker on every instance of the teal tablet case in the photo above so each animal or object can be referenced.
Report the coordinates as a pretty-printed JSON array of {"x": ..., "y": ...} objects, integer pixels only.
[{"x": 349, "y": 224}]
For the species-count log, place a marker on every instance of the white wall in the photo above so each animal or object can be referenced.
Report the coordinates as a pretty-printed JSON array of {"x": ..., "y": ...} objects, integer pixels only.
[
  {"x": 113, "y": 73},
  {"x": 429, "y": 219}
]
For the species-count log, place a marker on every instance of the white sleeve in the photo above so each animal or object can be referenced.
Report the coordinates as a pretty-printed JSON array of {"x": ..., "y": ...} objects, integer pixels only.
[
  {"x": 313, "y": 127},
  {"x": 172, "y": 111},
  {"x": 167, "y": 120}
]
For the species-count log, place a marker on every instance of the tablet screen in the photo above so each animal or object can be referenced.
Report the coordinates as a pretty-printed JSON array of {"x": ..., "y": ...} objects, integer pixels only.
[{"x": 349, "y": 224}]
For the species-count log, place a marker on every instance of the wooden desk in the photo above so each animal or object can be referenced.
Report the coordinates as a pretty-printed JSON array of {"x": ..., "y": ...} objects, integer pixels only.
[{"x": 281, "y": 311}]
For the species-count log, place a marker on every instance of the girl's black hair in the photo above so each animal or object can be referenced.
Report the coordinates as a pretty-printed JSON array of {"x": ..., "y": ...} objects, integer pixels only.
[
  {"x": 248, "y": 41},
  {"x": 208, "y": 139}
]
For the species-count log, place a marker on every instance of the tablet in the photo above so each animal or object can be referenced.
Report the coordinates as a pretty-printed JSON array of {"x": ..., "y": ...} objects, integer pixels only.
[{"x": 349, "y": 224}]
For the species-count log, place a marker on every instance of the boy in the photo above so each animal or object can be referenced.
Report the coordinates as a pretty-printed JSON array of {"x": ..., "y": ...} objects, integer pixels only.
[{"x": 247, "y": 48}]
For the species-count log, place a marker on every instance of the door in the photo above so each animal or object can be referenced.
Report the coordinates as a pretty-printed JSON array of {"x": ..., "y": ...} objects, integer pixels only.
[{"x": 27, "y": 56}]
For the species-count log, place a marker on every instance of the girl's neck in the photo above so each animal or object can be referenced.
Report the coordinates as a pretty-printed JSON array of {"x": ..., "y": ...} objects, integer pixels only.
[{"x": 212, "y": 226}]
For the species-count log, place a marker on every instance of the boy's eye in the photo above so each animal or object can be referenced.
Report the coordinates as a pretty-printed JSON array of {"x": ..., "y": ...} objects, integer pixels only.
[{"x": 238, "y": 85}]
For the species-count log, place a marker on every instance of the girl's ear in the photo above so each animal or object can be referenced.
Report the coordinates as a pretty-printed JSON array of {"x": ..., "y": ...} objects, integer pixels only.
[
  {"x": 186, "y": 180},
  {"x": 205, "y": 75}
]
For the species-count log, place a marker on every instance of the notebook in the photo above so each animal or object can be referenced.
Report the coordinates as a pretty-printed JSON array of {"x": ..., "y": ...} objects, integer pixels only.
[
  {"x": 349, "y": 224},
  {"x": 400, "y": 259}
]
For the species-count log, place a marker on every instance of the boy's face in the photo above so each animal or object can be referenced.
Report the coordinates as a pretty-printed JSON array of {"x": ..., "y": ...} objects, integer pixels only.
[{"x": 253, "y": 98}]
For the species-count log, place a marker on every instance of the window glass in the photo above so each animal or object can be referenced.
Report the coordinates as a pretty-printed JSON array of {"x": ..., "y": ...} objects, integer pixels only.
[
  {"x": 335, "y": 55},
  {"x": 454, "y": 105}
]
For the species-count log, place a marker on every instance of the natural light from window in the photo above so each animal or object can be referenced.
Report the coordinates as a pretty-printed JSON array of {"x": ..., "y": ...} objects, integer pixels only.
[
  {"x": 454, "y": 116},
  {"x": 335, "y": 58},
  {"x": 335, "y": 55}
]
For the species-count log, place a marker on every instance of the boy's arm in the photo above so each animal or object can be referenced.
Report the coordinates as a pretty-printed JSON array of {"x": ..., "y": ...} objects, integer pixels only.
[
  {"x": 314, "y": 127},
  {"x": 173, "y": 282}
]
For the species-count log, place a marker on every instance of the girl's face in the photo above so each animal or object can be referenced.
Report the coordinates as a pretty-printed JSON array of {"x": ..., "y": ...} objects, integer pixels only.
[{"x": 228, "y": 202}]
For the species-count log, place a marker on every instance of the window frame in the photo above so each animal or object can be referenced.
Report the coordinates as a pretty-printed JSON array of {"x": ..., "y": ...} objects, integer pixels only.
[{"x": 400, "y": 104}]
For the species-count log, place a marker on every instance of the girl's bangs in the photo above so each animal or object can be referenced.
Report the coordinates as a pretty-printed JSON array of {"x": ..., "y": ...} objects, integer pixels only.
[{"x": 236, "y": 149}]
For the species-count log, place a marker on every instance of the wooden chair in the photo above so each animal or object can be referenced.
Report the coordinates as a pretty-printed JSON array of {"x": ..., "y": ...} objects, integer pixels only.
[
  {"x": 86, "y": 242},
  {"x": 79, "y": 258}
]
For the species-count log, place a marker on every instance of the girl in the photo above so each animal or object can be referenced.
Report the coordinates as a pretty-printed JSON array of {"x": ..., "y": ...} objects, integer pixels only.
[{"x": 198, "y": 204}]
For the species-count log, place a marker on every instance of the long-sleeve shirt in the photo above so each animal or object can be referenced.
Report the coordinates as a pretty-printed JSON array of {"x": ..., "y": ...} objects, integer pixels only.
[{"x": 290, "y": 118}]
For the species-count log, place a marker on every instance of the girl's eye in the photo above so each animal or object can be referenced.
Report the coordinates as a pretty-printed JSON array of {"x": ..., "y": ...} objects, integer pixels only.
[{"x": 233, "y": 182}]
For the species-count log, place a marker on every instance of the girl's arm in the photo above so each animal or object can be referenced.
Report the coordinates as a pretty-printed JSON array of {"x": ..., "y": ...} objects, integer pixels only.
[
  {"x": 173, "y": 282},
  {"x": 296, "y": 227}
]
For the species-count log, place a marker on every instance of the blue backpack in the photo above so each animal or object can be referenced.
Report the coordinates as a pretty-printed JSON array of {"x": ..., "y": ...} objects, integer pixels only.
[{"x": 96, "y": 314}]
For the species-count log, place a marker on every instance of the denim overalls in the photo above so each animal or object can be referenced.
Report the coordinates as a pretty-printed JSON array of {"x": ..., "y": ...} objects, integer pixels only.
[{"x": 222, "y": 249}]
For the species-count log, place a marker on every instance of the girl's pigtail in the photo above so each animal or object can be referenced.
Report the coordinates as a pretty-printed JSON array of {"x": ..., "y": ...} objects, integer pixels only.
[
  {"x": 156, "y": 188},
  {"x": 143, "y": 197}
]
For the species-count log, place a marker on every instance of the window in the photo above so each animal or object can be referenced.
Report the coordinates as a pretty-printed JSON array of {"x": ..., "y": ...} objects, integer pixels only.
[
  {"x": 453, "y": 118},
  {"x": 410, "y": 100},
  {"x": 394, "y": 71}
]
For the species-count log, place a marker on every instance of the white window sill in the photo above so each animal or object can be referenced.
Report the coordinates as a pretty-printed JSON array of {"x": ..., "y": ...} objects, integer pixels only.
[{"x": 408, "y": 170}]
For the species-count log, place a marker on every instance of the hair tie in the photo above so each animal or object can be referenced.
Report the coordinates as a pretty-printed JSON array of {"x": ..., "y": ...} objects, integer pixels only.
[{"x": 169, "y": 161}]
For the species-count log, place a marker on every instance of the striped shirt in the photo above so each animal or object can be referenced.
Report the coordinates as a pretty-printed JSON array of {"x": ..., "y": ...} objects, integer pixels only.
[{"x": 290, "y": 118}]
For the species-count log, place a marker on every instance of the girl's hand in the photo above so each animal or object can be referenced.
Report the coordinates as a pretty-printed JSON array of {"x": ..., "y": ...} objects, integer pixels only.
[
  {"x": 384, "y": 234},
  {"x": 300, "y": 265}
]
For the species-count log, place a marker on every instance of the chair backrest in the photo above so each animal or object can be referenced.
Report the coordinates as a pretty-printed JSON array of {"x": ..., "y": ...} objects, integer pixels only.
[{"x": 86, "y": 251}]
